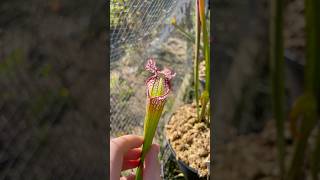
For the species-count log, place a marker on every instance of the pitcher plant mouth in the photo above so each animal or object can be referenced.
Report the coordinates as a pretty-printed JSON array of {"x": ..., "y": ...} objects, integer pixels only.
[{"x": 158, "y": 85}]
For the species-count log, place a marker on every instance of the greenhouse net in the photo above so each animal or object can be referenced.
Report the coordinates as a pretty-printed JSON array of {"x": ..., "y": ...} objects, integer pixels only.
[
  {"x": 134, "y": 21},
  {"x": 140, "y": 30}
]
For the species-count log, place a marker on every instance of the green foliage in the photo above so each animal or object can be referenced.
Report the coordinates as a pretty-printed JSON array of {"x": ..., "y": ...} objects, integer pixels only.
[
  {"x": 11, "y": 62},
  {"x": 120, "y": 88},
  {"x": 116, "y": 8},
  {"x": 205, "y": 96},
  {"x": 114, "y": 81},
  {"x": 182, "y": 31},
  {"x": 39, "y": 105},
  {"x": 172, "y": 170},
  {"x": 43, "y": 104},
  {"x": 45, "y": 70}
]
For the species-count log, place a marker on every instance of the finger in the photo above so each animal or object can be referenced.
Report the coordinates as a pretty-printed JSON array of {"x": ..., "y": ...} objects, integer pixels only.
[
  {"x": 130, "y": 177},
  {"x": 124, "y": 143},
  {"x": 133, "y": 154},
  {"x": 131, "y": 159},
  {"x": 118, "y": 147},
  {"x": 152, "y": 166},
  {"x": 130, "y": 164}
]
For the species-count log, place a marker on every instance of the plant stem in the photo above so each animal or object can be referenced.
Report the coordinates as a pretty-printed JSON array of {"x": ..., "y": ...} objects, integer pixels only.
[
  {"x": 277, "y": 64},
  {"x": 312, "y": 73},
  {"x": 316, "y": 158},
  {"x": 204, "y": 102},
  {"x": 305, "y": 106},
  {"x": 187, "y": 35},
  {"x": 311, "y": 87},
  {"x": 311, "y": 43},
  {"x": 196, "y": 62},
  {"x": 294, "y": 173},
  {"x": 206, "y": 48},
  {"x": 149, "y": 132}
]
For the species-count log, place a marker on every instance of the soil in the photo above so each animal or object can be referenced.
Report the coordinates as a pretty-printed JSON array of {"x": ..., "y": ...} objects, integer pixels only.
[{"x": 189, "y": 139}]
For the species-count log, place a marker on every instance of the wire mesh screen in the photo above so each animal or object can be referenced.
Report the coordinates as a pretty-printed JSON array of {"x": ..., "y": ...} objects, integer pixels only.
[
  {"x": 142, "y": 29},
  {"x": 134, "y": 21},
  {"x": 152, "y": 35}
]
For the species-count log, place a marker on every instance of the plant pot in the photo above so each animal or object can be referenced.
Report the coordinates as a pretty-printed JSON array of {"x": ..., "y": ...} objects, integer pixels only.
[
  {"x": 192, "y": 148},
  {"x": 188, "y": 172}
]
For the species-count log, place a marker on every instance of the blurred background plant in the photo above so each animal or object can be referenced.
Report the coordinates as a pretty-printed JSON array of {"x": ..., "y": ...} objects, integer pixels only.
[
  {"x": 117, "y": 7},
  {"x": 52, "y": 79},
  {"x": 306, "y": 108},
  {"x": 252, "y": 76}
]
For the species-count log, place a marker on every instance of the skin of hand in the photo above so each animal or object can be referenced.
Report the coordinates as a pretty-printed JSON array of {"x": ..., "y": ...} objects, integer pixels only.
[{"x": 125, "y": 154}]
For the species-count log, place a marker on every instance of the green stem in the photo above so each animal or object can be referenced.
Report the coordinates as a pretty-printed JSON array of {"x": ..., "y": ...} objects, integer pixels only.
[
  {"x": 312, "y": 73},
  {"x": 311, "y": 89},
  {"x": 294, "y": 172},
  {"x": 196, "y": 66},
  {"x": 277, "y": 64},
  {"x": 204, "y": 102},
  {"x": 150, "y": 127},
  {"x": 307, "y": 105},
  {"x": 316, "y": 158},
  {"x": 311, "y": 43},
  {"x": 187, "y": 35},
  {"x": 206, "y": 48}
]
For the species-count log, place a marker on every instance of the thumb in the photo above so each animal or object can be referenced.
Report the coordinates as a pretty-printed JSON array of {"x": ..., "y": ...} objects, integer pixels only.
[{"x": 152, "y": 166}]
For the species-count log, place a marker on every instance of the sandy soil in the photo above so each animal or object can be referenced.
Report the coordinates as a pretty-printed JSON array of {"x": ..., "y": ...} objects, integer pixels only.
[{"x": 190, "y": 139}]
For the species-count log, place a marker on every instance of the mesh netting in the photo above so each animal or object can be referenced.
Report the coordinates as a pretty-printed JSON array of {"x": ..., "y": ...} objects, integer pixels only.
[
  {"x": 142, "y": 29},
  {"x": 134, "y": 21}
]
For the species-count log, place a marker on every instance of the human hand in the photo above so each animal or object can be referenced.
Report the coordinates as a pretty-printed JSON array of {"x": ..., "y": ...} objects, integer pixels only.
[{"x": 125, "y": 154}]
